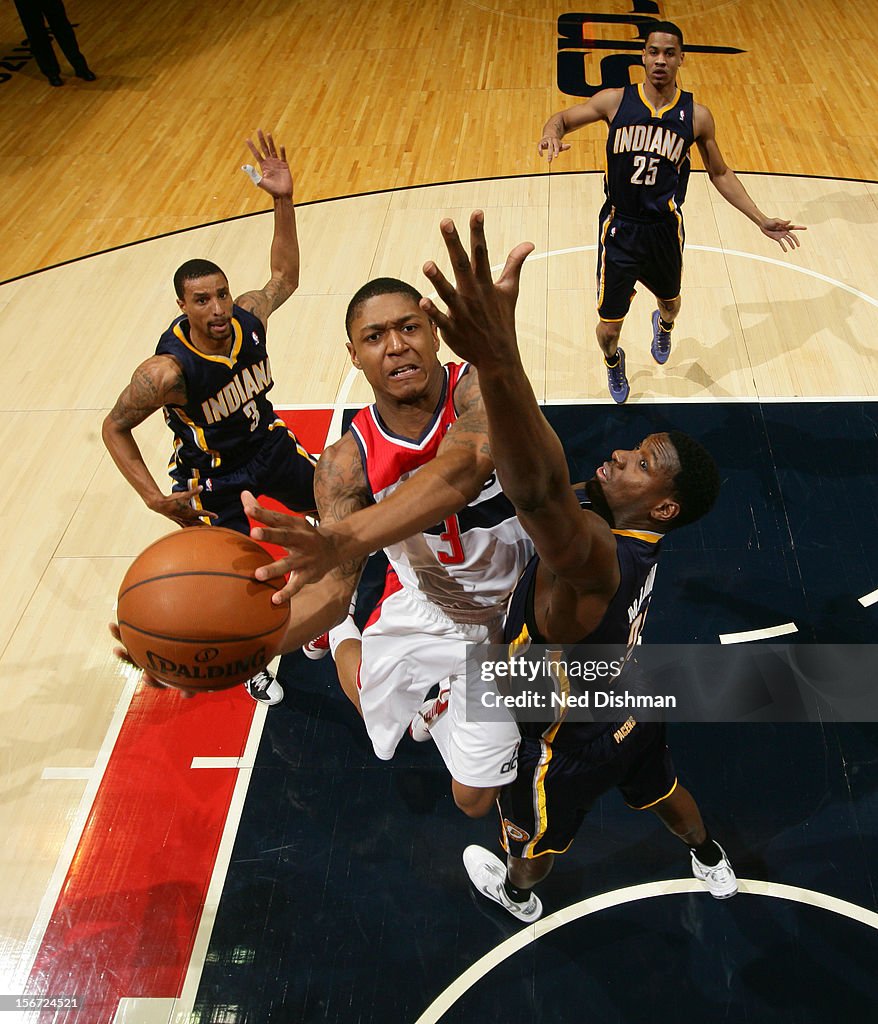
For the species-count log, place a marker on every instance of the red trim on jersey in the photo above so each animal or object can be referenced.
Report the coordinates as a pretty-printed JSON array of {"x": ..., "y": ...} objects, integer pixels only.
[{"x": 387, "y": 456}]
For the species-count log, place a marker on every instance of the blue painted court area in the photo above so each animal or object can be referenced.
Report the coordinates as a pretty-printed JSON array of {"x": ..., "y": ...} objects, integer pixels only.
[{"x": 346, "y": 900}]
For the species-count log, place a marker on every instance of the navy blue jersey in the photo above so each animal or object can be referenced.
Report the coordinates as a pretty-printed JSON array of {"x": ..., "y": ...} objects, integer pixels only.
[
  {"x": 637, "y": 553},
  {"x": 648, "y": 155},
  {"x": 227, "y": 415}
]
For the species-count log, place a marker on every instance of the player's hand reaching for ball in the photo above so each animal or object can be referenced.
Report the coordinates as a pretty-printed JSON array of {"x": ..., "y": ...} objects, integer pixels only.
[
  {"x": 123, "y": 655},
  {"x": 310, "y": 554}
]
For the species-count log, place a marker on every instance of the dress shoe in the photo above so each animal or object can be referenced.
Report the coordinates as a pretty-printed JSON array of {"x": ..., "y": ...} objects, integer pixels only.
[
  {"x": 55, "y": 80},
  {"x": 86, "y": 74}
]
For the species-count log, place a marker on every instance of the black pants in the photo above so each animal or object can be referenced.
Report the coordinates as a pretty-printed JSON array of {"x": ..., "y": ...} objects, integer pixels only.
[{"x": 34, "y": 14}]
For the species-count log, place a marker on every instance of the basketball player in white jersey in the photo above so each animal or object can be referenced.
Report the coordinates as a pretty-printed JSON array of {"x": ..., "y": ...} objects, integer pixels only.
[{"x": 414, "y": 476}]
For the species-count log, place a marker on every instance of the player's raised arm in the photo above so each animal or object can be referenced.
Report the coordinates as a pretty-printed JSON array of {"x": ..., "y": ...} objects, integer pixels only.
[
  {"x": 479, "y": 325},
  {"x": 729, "y": 185},
  {"x": 277, "y": 181},
  {"x": 156, "y": 382},
  {"x": 601, "y": 107}
]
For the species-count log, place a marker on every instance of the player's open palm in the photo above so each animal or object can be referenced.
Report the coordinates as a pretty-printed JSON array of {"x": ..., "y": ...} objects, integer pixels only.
[
  {"x": 276, "y": 180},
  {"x": 479, "y": 324}
]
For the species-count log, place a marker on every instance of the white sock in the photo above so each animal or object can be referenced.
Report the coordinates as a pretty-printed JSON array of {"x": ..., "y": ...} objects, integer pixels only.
[{"x": 346, "y": 630}]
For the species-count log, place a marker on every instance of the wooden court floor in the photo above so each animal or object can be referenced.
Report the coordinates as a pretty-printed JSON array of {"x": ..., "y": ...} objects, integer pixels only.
[{"x": 393, "y": 118}]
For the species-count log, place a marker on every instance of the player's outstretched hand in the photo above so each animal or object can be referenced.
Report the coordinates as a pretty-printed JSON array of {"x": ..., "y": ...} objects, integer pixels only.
[
  {"x": 177, "y": 508},
  {"x": 782, "y": 232},
  {"x": 479, "y": 324},
  {"x": 309, "y": 557},
  {"x": 277, "y": 180},
  {"x": 123, "y": 655},
  {"x": 551, "y": 146}
]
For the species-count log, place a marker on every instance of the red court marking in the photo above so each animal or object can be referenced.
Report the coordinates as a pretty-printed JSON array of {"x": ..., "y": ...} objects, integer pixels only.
[
  {"x": 311, "y": 427},
  {"x": 128, "y": 913}
]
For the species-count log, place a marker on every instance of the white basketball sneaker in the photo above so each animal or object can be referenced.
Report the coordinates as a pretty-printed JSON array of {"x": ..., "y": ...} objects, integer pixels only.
[
  {"x": 487, "y": 873},
  {"x": 719, "y": 878}
]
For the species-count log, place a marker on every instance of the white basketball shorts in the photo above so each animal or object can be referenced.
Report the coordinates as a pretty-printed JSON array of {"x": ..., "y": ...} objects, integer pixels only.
[{"x": 410, "y": 648}]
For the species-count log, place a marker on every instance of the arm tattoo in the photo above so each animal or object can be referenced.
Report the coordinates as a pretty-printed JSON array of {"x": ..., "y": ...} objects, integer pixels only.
[
  {"x": 340, "y": 489},
  {"x": 263, "y": 303},
  {"x": 472, "y": 419},
  {"x": 144, "y": 395}
]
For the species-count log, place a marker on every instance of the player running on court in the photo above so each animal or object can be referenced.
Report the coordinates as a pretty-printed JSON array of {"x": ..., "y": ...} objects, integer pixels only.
[{"x": 640, "y": 229}]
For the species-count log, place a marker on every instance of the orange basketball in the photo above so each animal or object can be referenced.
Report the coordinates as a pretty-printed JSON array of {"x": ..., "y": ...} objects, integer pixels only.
[{"x": 191, "y": 613}]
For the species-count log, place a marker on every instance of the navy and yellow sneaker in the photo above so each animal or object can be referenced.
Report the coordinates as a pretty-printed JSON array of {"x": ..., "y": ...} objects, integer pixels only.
[
  {"x": 661, "y": 340},
  {"x": 616, "y": 379}
]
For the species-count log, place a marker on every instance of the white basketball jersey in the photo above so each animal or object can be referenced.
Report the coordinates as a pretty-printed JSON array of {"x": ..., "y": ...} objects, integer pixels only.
[{"x": 469, "y": 563}]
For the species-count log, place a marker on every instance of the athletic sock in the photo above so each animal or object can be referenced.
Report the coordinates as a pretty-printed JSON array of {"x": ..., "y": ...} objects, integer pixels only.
[
  {"x": 615, "y": 361},
  {"x": 346, "y": 630},
  {"x": 516, "y": 895},
  {"x": 666, "y": 327},
  {"x": 708, "y": 853}
]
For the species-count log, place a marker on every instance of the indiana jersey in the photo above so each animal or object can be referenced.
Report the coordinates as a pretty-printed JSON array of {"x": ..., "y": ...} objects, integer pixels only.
[
  {"x": 637, "y": 553},
  {"x": 227, "y": 415},
  {"x": 648, "y": 155},
  {"x": 467, "y": 564}
]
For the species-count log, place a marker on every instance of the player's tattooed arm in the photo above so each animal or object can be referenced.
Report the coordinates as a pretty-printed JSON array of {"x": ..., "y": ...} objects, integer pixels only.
[
  {"x": 470, "y": 429},
  {"x": 600, "y": 107},
  {"x": 340, "y": 489},
  {"x": 264, "y": 302},
  {"x": 277, "y": 181},
  {"x": 157, "y": 382}
]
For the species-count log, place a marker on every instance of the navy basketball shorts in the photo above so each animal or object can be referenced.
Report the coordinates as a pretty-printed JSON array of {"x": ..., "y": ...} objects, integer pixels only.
[
  {"x": 631, "y": 251},
  {"x": 282, "y": 470},
  {"x": 542, "y": 810}
]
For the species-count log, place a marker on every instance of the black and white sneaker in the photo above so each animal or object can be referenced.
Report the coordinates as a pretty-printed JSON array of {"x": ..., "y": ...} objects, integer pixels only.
[
  {"x": 488, "y": 873},
  {"x": 264, "y": 688}
]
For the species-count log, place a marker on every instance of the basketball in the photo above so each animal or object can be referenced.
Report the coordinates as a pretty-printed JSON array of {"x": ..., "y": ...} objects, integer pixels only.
[{"x": 191, "y": 613}]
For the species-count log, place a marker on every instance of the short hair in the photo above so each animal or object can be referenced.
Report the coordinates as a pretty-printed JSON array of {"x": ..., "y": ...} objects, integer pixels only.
[
  {"x": 668, "y": 27},
  {"x": 378, "y": 286},
  {"x": 697, "y": 485},
  {"x": 192, "y": 269}
]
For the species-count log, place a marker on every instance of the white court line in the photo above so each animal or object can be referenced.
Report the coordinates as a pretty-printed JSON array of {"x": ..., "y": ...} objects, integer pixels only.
[
  {"x": 868, "y": 599},
  {"x": 758, "y": 634},
  {"x": 725, "y": 400},
  {"x": 445, "y": 1000},
  {"x": 66, "y": 773},
  {"x": 722, "y": 252},
  {"x": 215, "y": 762},
  {"x": 74, "y": 834},
  {"x": 186, "y": 1003},
  {"x": 347, "y": 384}
]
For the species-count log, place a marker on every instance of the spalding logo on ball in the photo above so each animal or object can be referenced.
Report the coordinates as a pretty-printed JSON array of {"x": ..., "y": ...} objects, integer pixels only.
[{"x": 191, "y": 613}]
